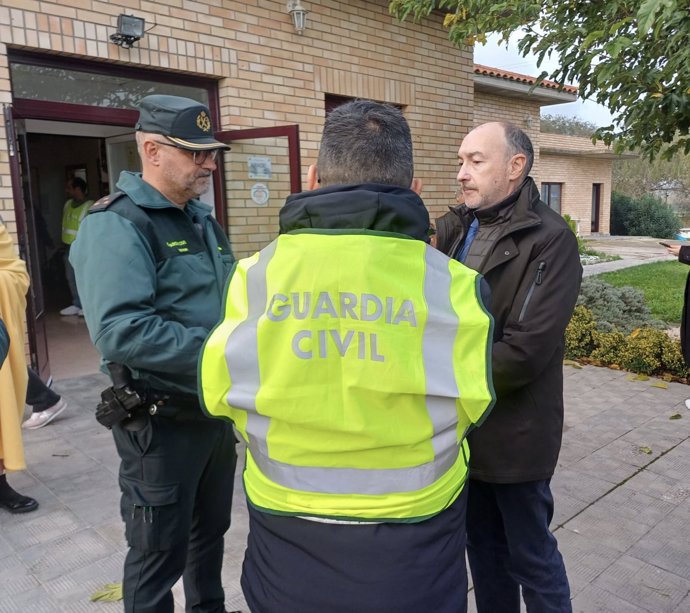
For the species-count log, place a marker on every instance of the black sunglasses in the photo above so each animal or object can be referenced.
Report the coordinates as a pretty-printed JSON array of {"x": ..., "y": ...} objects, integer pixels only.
[{"x": 199, "y": 157}]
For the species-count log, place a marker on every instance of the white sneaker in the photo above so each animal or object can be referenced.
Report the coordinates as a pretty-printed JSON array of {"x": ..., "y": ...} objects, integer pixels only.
[
  {"x": 42, "y": 418},
  {"x": 687, "y": 403},
  {"x": 71, "y": 310}
]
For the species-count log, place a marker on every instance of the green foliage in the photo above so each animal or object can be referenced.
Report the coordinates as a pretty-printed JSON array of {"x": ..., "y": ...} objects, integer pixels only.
[
  {"x": 582, "y": 247},
  {"x": 662, "y": 284},
  {"x": 645, "y": 216},
  {"x": 572, "y": 126},
  {"x": 642, "y": 351},
  {"x": 630, "y": 55},
  {"x": 579, "y": 335},
  {"x": 607, "y": 347},
  {"x": 615, "y": 308},
  {"x": 648, "y": 351}
]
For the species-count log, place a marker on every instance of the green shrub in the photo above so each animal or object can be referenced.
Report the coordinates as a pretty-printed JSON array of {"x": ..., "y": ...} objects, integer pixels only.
[
  {"x": 672, "y": 358},
  {"x": 582, "y": 247},
  {"x": 615, "y": 308},
  {"x": 607, "y": 347},
  {"x": 646, "y": 350},
  {"x": 642, "y": 351},
  {"x": 579, "y": 341},
  {"x": 645, "y": 216}
]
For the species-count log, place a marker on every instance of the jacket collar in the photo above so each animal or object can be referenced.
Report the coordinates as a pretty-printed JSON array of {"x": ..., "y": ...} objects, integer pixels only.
[
  {"x": 367, "y": 206},
  {"x": 518, "y": 207}
]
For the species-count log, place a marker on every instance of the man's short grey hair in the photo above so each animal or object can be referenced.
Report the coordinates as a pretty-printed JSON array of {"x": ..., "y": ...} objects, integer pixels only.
[
  {"x": 140, "y": 137},
  {"x": 519, "y": 142},
  {"x": 366, "y": 142}
]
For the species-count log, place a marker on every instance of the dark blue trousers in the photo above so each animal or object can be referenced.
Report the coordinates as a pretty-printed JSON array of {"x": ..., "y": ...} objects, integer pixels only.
[
  {"x": 38, "y": 394},
  {"x": 294, "y": 565},
  {"x": 510, "y": 546}
]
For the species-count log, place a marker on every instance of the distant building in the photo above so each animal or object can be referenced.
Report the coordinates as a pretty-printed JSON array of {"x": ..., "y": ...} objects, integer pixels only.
[{"x": 574, "y": 175}]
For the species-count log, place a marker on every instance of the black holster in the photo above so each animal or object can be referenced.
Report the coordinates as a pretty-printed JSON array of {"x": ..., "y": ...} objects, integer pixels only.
[{"x": 118, "y": 402}]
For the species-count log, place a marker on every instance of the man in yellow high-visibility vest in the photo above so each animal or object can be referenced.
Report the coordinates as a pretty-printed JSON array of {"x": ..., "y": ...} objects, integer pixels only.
[
  {"x": 353, "y": 359},
  {"x": 73, "y": 213}
]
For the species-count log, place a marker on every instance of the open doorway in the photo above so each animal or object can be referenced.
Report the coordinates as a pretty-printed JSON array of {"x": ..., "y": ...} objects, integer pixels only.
[{"x": 58, "y": 152}]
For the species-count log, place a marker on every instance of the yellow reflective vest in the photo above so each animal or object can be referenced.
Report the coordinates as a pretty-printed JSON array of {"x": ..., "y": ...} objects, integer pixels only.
[
  {"x": 353, "y": 366},
  {"x": 72, "y": 216}
]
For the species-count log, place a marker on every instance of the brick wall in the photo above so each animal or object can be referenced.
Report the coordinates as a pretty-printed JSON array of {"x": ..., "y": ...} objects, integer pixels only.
[{"x": 268, "y": 75}]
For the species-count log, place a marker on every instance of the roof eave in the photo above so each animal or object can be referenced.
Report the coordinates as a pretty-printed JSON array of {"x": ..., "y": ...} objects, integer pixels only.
[
  {"x": 513, "y": 89},
  {"x": 592, "y": 154}
]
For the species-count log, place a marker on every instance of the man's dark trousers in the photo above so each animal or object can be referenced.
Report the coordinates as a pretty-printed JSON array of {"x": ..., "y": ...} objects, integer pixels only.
[
  {"x": 294, "y": 565},
  {"x": 176, "y": 477},
  {"x": 38, "y": 395},
  {"x": 509, "y": 545}
]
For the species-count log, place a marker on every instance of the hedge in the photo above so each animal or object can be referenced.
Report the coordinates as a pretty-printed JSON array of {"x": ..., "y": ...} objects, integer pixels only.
[{"x": 645, "y": 350}]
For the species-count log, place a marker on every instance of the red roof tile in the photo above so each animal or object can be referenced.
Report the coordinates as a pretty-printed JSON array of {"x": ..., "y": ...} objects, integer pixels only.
[{"x": 521, "y": 78}]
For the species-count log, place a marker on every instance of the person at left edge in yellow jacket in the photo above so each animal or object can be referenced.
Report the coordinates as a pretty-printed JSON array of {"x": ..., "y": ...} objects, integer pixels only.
[
  {"x": 14, "y": 283},
  {"x": 353, "y": 358}
]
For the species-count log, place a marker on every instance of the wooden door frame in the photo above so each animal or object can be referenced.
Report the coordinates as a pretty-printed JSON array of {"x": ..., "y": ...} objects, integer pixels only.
[{"x": 290, "y": 131}]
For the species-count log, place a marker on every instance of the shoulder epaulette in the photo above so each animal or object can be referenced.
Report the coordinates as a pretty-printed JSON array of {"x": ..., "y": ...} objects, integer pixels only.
[{"x": 105, "y": 202}]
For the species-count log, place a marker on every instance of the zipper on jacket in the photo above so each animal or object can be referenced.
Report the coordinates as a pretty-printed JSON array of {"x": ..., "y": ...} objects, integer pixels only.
[{"x": 537, "y": 281}]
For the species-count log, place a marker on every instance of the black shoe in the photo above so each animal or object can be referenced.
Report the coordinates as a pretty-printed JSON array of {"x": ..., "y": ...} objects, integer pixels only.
[{"x": 14, "y": 502}]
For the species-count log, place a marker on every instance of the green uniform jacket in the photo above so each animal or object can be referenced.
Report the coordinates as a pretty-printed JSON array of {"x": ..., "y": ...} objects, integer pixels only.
[
  {"x": 151, "y": 278},
  {"x": 4, "y": 342}
]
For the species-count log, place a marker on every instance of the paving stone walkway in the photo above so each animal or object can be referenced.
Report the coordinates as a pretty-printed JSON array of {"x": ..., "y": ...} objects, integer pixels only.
[{"x": 622, "y": 493}]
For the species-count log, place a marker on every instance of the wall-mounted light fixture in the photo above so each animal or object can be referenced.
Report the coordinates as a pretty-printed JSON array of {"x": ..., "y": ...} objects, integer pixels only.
[
  {"x": 129, "y": 30},
  {"x": 298, "y": 14},
  {"x": 529, "y": 122}
]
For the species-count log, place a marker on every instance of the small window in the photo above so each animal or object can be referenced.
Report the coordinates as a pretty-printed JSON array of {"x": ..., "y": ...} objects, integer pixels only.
[{"x": 551, "y": 194}]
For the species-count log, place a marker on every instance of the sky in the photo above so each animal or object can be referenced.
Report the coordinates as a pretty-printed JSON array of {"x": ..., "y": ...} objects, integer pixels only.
[{"x": 497, "y": 56}]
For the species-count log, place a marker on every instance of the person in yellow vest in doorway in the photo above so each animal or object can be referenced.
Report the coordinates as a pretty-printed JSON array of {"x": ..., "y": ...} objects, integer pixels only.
[
  {"x": 73, "y": 213},
  {"x": 353, "y": 359}
]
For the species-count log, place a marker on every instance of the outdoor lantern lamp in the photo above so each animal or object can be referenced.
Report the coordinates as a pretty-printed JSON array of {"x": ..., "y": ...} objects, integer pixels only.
[
  {"x": 298, "y": 14},
  {"x": 129, "y": 30}
]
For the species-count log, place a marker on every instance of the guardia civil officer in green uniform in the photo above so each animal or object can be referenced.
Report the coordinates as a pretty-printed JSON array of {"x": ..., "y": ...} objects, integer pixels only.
[
  {"x": 353, "y": 358},
  {"x": 151, "y": 264}
]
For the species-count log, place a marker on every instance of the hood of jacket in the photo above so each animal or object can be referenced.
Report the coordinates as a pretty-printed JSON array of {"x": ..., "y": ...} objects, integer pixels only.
[{"x": 366, "y": 206}]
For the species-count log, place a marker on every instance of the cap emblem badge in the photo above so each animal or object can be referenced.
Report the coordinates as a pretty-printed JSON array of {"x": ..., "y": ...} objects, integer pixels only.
[{"x": 203, "y": 121}]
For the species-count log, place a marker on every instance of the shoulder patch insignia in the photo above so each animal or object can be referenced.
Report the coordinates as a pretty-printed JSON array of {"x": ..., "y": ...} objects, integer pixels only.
[{"x": 105, "y": 202}]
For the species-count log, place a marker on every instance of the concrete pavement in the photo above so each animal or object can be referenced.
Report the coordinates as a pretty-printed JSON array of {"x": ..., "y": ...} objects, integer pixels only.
[
  {"x": 622, "y": 493},
  {"x": 633, "y": 251}
]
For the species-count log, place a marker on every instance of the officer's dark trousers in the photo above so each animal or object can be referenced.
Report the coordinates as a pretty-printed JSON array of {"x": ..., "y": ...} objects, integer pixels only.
[
  {"x": 176, "y": 477},
  {"x": 509, "y": 545}
]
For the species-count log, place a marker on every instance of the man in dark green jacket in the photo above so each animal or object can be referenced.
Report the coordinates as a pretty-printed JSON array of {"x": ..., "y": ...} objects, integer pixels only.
[
  {"x": 151, "y": 265},
  {"x": 529, "y": 256}
]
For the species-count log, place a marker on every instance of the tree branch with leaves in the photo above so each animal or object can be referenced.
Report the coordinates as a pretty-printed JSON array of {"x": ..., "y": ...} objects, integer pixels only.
[{"x": 632, "y": 56}]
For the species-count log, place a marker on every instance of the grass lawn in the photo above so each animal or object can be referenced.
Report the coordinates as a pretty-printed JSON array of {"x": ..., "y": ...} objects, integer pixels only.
[{"x": 662, "y": 283}]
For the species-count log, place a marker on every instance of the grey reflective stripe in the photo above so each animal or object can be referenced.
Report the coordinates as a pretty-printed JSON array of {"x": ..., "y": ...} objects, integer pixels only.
[
  {"x": 68, "y": 231},
  {"x": 241, "y": 352},
  {"x": 365, "y": 481},
  {"x": 243, "y": 361},
  {"x": 437, "y": 353}
]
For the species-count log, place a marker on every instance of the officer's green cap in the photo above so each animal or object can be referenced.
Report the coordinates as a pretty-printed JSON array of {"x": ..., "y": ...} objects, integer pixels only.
[{"x": 184, "y": 121}]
